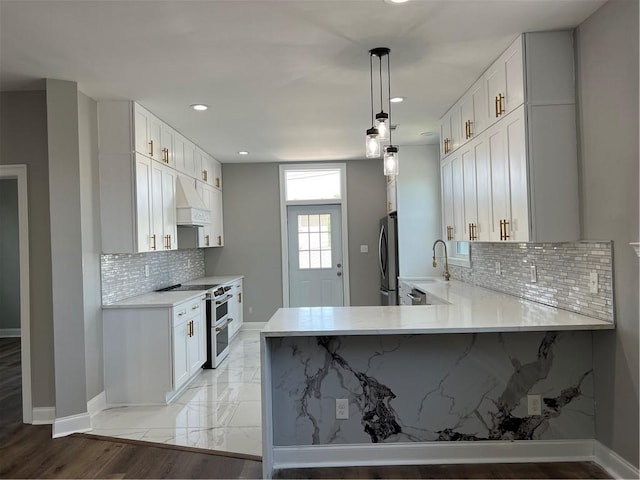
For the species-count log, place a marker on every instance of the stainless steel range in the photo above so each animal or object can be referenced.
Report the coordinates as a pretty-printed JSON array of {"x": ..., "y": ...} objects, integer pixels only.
[{"x": 217, "y": 319}]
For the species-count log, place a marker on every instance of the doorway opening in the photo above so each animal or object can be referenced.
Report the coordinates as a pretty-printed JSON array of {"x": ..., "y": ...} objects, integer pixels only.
[
  {"x": 313, "y": 218},
  {"x": 18, "y": 173}
]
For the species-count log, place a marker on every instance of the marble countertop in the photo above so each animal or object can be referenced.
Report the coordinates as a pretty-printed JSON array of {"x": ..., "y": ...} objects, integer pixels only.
[
  {"x": 471, "y": 309},
  {"x": 172, "y": 298}
]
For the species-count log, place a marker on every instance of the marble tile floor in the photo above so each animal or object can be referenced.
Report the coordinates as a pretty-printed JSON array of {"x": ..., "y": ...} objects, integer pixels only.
[{"x": 220, "y": 410}]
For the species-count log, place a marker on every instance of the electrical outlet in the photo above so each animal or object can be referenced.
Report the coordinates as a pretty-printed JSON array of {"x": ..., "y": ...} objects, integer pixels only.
[
  {"x": 593, "y": 282},
  {"x": 342, "y": 408},
  {"x": 188, "y": 263},
  {"x": 534, "y": 405},
  {"x": 250, "y": 309},
  {"x": 534, "y": 274},
  {"x": 146, "y": 270},
  {"x": 498, "y": 268},
  {"x": 364, "y": 248}
]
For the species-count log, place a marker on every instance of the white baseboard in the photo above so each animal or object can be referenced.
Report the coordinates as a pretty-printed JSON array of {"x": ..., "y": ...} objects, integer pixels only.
[
  {"x": 43, "y": 415},
  {"x": 424, "y": 453},
  {"x": 9, "y": 332},
  {"x": 253, "y": 325},
  {"x": 72, "y": 424},
  {"x": 614, "y": 464},
  {"x": 97, "y": 404}
]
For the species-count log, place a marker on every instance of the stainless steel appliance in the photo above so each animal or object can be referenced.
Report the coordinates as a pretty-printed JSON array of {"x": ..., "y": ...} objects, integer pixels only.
[
  {"x": 218, "y": 326},
  {"x": 418, "y": 297},
  {"x": 388, "y": 260},
  {"x": 217, "y": 319}
]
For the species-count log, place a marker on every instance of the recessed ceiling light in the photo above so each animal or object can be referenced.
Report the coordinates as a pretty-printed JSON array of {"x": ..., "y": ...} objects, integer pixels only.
[
  {"x": 396, "y": 99},
  {"x": 243, "y": 152},
  {"x": 396, "y": 1},
  {"x": 426, "y": 134},
  {"x": 199, "y": 107}
]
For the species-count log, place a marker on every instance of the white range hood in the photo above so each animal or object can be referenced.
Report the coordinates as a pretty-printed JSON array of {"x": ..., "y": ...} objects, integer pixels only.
[{"x": 190, "y": 209}]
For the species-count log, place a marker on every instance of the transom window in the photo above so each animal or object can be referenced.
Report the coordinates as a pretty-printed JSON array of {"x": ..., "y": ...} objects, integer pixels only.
[
  {"x": 312, "y": 184},
  {"x": 314, "y": 241}
]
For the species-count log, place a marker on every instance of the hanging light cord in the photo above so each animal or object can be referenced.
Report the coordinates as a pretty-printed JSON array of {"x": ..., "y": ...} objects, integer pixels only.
[
  {"x": 380, "y": 77},
  {"x": 371, "y": 78},
  {"x": 389, "y": 86}
]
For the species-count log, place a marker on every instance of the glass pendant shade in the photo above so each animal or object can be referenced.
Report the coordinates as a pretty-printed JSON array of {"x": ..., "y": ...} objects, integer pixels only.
[
  {"x": 382, "y": 124},
  {"x": 372, "y": 144},
  {"x": 391, "y": 160}
]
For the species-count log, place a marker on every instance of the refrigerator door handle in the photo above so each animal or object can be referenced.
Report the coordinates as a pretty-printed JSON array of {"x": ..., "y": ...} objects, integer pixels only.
[
  {"x": 380, "y": 259},
  {"x": 384, "y": 292}
]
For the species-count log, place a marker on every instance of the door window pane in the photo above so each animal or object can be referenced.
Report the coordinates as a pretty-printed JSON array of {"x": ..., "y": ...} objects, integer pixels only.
[{"x": 314, "y": 241}]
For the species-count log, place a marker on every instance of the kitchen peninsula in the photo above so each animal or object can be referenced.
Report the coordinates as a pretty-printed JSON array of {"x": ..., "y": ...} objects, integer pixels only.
[{"x": 487, "y": 376}]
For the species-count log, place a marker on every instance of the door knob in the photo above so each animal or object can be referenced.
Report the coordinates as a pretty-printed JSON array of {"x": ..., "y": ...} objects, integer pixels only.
[
  {"x": 339, "y": 265},
  {"x": 339, "y": 274}
]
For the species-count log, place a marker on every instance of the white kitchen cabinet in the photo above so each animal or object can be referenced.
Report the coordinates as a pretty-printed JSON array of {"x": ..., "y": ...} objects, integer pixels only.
[
  {"x": 526, "y": 179},
  {"x": 144, "y": 219},
  {"x": 236, "y": 314},
  {"x": 168, "y": 148},
  {"x": 185, "y": 155},
  {"x": 452, "y": 198},
  {"x": 450, "y": 133},
  {"x": 474, "y": 113},
  {"x": 391, "y": 193},
  {"x": 152, "y": 353},
  {"x": 206, "y": 192},
  {"x": 217, "y": 224},
  {"x": 147, "y": 133},
  {"x": 163, "y": 207},
  {"x": 217, "y": 173},
  {"x": 505, "y": 82},
  {"x": 447, "y": 198}
]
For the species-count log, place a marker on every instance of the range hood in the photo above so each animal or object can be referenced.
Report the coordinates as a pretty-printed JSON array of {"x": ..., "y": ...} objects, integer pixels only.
[{"x": 190, "y": 209}]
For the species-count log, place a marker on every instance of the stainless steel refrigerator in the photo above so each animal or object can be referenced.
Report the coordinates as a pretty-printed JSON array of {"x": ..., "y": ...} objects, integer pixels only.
[{"x": 388, "y": 260}]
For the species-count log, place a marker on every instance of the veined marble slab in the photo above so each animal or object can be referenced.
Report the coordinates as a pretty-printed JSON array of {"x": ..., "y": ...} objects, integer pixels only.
[
  {"x": 473, "y": 309},
  {"x": 156, "y": 299}
]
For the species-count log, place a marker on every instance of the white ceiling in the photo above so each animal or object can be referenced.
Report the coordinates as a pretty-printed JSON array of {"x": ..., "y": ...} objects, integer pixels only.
[{"x": 285, "y": 80}]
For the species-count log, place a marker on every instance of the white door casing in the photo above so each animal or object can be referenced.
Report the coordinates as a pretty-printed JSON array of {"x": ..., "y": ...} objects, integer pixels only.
[
  {"x": 19, "y": 172},
  {"x": 315, "y": 256}
]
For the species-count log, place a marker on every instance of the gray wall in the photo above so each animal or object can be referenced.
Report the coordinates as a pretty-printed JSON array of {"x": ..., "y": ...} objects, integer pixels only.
[
  {"x": 251, "y": 236},
  {"x": 23, "y": 140},
  {"x": 366, "y": 202},
  {"x": 252, "y": 233},
  {"x": 419, "y": 210},
  {"x": 91, "y": 244},
  {"x": 607, "y": 73},
  {"x": 66, "y": 248},
  {"x": 9, "y": 258}
]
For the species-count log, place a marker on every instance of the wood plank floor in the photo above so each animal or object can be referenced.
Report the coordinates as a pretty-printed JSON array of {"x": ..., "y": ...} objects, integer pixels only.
[{"x": 28, "y": 451}]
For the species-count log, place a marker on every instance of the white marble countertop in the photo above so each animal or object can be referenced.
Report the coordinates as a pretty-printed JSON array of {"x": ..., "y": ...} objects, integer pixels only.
[
  {"x": 172, "y": 298},
  {"x": 472, "y": 309}
]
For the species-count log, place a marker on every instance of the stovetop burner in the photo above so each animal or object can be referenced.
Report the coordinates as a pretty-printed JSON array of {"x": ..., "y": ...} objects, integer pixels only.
[{"x": 185, "y": 288}]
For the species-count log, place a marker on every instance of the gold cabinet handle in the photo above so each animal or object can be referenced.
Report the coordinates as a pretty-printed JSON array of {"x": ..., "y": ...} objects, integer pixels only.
[
  {"x": 218, "y": 182},
  {"x": 165, "y": 155},
  {"x": 475, "y": 231},
  {"x": 497, "y": 106},
  {"x": 469, "y": 129},
  {"x": 501, "y": 102},
  {"x": 219, "y": 240},
  {"x": 153, "y": 238},
  {"x": 240, "y": 297},
  {"x": 204, "y": 175},
  {"x": 151, "y": 148},
  {"x": 195, "y": 307},
  {"x": 449, "y": 232},
  {"x": 206, "y": 240},
  {"x": 182, "y": 313},
  {"x": 170, "y": 244},
  {"x": 503, "y": 230},
  {"x": 472, "y": 231}
]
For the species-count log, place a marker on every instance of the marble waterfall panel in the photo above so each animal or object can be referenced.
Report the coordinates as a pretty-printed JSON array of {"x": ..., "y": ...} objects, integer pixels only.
[{"x": 423, "y": 388}]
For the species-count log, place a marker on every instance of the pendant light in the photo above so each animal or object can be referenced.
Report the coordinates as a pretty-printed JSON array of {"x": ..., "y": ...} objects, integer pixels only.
[
  {"x": 372, "y": 144},
  {"x": 380, "y": 132}
]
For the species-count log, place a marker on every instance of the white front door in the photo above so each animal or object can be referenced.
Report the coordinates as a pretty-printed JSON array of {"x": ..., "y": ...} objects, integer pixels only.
[{"x": 315, "y": 256}]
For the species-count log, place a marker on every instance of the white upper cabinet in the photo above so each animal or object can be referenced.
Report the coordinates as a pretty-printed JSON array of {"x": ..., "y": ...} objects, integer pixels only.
[
  {"x": 138, "y": 196},
  {"x": 217, "y": 228},
  {"x": 148, "y": 133},
  {"x": 474, "y": 113},
  {"x": 519, "y": 174},
  {"x": 505, "y": 82}
]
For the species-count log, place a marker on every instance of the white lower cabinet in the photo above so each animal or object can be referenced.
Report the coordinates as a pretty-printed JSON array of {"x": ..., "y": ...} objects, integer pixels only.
[{"x": 151, "y": 353}]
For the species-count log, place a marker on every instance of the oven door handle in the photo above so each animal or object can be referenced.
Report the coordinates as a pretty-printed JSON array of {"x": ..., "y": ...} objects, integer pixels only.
[{"x": 225, "y": 300}]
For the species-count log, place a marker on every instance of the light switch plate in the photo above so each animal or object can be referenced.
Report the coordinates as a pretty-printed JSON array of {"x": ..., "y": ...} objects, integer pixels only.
[
  {"x": 534, "y": 274},
  {"x": 498, "y": 268},
  {"x": 146, "y": 270},
  {"x": 534, "y": 405},
  {"x": 364, "y": 248}
]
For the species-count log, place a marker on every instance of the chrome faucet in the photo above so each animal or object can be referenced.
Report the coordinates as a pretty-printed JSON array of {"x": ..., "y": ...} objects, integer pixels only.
[{"x": 447, "y": 276}]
